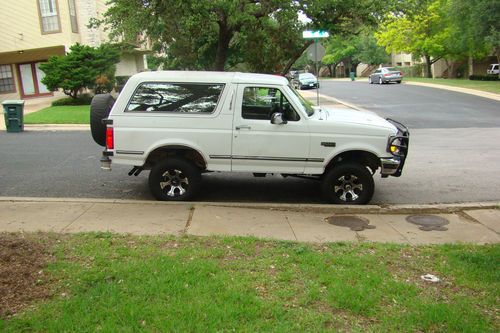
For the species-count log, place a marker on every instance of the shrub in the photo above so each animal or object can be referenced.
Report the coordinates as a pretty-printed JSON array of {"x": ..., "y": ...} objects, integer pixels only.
[
  {"x": 484, "y": 77},
  {"x": 84, "y": 99}
]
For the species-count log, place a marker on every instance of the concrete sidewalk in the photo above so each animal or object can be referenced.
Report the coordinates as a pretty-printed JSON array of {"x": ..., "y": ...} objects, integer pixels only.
[{"x": 471, "y": 223}]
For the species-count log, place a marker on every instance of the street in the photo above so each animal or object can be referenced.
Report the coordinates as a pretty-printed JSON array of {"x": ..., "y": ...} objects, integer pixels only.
[{"x": 454, "y": 156}]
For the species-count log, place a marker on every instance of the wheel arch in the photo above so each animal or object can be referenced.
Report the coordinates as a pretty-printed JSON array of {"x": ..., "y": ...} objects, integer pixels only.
[
  {"x": 364, "y": 157},
  {"x": 185, "y": 151}
]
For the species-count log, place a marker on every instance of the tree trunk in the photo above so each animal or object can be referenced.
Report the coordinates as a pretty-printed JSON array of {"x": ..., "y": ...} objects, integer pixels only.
[
  {"x": 290, "y": 62},
  {"x": 225, "y": 35},
  {"x": 428, "y": 68}
]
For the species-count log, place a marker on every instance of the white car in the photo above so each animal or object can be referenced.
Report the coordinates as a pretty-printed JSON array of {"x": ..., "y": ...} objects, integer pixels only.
[
  {"x": 182, "y": 124},
  {"x": 494, "y": 69}
]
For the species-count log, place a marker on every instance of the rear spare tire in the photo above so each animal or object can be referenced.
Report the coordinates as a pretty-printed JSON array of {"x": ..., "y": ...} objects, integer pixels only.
[{"x": 99, "y": 109}]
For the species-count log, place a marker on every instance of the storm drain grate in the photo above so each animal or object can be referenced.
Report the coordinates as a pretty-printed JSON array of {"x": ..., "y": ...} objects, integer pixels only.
[
  {"x": 355, "y": 223},
  {"x": 428, "y": 222}
]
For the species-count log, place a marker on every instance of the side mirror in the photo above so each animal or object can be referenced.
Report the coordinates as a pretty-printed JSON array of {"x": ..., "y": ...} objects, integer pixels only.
[{"x": 277, "y": 119}]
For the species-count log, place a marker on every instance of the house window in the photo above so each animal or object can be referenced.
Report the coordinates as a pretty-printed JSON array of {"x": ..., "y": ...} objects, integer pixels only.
[
  {"x": 72, "y": 16},
  {"x": 49, "y": 17},
  {"x": 6, "y": 79}
]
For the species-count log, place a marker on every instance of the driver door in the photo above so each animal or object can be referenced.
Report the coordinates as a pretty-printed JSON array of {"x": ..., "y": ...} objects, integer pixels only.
[{"x": 259, "y": 145}]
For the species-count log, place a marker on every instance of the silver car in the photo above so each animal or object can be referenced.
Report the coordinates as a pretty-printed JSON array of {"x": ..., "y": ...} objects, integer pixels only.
[{"x": 385, "y": 75}]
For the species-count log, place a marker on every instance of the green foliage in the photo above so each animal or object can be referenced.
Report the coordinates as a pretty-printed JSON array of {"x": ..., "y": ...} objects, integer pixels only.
[
  {"x": 261, "y": 36},
  {"x": 484, "y": 77},
  {"x": 80, "y": 68},
  {"x": 84, "y": 99}
]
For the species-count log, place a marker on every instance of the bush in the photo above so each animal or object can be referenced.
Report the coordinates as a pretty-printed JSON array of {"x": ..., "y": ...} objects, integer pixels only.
[
  {"x": 81, "y": 100},
  {"x": 412, "y": 71},
  {"x": 484, "y": 77}
]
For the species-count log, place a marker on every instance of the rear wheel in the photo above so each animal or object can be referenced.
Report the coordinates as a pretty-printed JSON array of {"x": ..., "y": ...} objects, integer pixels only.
[
  {"x": 99, "y": 109},
  {"x": 348, "y": 183},
  {"x": 174, "y": 179},
  {"x": 398, "y": 82}
]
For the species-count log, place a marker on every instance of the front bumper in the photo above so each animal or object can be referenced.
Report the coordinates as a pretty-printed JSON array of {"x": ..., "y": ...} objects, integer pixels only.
[{"x": 393, "y": 166}]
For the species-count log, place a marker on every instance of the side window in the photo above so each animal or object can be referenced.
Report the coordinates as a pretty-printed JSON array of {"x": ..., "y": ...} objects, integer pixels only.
[
  {"x": 175, "y": 97},
  {"x": 261, "y": 102}
]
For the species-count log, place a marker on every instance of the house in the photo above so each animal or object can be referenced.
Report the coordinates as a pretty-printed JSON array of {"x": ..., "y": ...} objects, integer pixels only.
[{"x": 34, "y": 30}]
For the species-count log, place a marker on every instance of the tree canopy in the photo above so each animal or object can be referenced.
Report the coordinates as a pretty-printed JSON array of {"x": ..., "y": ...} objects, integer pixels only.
[
  {"x": 82, "y": 67},
  {"x": 262, "y": 35}
]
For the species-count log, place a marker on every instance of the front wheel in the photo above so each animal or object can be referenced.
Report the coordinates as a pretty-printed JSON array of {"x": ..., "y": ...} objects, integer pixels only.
[
  {"x": 348, "y": 183},
  {"x": 174, "y": 179},
  {"x": 380, "y": 81},
  {"x": 370, "y": 80}
]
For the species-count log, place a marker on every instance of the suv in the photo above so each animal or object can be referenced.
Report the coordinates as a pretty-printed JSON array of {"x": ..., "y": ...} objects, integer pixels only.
[
  {"x": 493, "y": 69},
  {"x": 181, "y": 124}
]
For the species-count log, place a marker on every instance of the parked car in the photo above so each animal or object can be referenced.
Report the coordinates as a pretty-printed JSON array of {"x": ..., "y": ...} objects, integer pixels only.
[
  {"x": 181, "y": 124},
  {"x": 385, "y": 75},
  {"x": 494, "y": 69},
  {"x": 305, "y": 80}
]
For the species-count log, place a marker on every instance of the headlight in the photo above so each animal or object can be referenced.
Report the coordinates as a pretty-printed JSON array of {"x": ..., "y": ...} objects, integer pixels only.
[{"x": 395, "y": 146}]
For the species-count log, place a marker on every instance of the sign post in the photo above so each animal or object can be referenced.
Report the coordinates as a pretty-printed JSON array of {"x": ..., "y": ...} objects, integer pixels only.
[{"x": 318, "y": 53}]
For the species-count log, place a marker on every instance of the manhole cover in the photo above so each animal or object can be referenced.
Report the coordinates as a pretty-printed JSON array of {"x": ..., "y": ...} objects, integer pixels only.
[
  {"x": 428, "y": 222},
  {"x": 355, "y": 223}
]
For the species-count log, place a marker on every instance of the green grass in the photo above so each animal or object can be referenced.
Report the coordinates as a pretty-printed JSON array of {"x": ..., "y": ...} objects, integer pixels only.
[
  {"x": 488, "y": 86},
  {"x": 118, "y": 283},
  {"x": 79, "y": 114}
]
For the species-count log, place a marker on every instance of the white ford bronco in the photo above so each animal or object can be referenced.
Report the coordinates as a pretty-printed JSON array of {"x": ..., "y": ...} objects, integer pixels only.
[{"x": 181, "y": 124}]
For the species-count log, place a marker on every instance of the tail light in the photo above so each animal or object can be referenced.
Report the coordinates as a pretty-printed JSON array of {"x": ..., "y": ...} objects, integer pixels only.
[
  {"x": 387, "y": 74},
  {"x": 401, "y": 73},
  {"x": 110, "y": 142}
]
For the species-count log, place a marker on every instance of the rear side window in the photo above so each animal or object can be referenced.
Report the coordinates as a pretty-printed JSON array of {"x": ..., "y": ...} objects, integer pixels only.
[{"x": 175, "y": 97}]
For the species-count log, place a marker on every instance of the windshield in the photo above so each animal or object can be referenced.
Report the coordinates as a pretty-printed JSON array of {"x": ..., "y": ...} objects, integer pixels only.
[
  {"x": 305, "y": 104},
  {"x": 306, "y": 76}
]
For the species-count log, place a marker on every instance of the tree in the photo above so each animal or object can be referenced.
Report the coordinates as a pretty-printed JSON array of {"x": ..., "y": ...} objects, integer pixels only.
[
  {"x": 421, "y": 32},
  {"x": 81, "y": 68},
  {"x": 263, "y": 35}
]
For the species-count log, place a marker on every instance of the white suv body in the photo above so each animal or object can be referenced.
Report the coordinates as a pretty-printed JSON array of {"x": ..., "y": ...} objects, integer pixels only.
[{"x": 237, "y": 122}]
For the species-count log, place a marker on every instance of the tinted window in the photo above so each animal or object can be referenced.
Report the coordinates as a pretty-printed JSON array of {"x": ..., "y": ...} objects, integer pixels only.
[
  {"x": 261, "y": 102},
  {"x": 175, "y": 97}
]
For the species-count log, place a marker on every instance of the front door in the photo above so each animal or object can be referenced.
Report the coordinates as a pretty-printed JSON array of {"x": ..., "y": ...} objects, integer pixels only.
[
  {"x": 259, "y": 145},
  {"x": 31, "y": 77}
]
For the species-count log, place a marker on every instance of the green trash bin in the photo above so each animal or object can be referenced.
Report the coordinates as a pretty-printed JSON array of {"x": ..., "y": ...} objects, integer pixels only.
[
  {"x": 352, "y": 75},
  {"x": 13, "y": 114}
]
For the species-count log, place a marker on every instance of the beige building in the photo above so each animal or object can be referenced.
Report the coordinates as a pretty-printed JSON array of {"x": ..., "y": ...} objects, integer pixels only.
[{"x": 34, "y": 30}]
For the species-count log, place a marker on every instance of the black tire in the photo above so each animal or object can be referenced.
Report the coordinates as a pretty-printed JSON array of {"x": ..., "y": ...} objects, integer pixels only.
[
  {"x": 99, "y": 109},
  {"x": 380, "y": 81},
  {"x": 348, "y": 183},
  {"x": 398, "y": 82},
  {"x": 174, "y": 179},
  {"x": 370, "y": 80}
]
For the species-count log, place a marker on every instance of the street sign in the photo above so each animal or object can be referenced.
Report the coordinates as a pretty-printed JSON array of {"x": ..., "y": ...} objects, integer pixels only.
[
  {"x": 309, "y": 34},
  {"x": 315, "y": 52}
]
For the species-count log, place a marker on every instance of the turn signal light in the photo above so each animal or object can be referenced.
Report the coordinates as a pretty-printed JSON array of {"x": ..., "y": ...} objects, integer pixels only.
[{"x": 110, "y": 142}]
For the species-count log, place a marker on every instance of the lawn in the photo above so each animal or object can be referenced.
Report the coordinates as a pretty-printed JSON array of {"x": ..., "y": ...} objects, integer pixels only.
[
  {"x": 114, "y": 283},
  {"x": 488, "y": 86},
  {"x": 79, "y": 114}
]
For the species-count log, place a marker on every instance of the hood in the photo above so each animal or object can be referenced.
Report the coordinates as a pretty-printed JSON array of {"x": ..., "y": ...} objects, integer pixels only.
[{"x": 349, "y": 116}]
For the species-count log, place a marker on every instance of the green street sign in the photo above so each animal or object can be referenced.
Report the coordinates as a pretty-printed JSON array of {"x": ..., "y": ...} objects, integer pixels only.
[{"x": 309, "y": 34}]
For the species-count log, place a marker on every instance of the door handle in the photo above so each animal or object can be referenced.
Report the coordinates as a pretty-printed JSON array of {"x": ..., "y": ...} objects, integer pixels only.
[{"x": 243, "y": 127}]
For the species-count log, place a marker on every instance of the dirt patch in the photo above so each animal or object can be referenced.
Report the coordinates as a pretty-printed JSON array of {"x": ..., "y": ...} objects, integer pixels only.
[{"x": 22, "y": 276}]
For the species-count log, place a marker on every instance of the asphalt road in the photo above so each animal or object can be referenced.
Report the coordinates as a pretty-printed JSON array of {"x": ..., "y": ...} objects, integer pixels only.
[
  {"x": 444, "y": 166},
  {"x": 416, "y": 106}
]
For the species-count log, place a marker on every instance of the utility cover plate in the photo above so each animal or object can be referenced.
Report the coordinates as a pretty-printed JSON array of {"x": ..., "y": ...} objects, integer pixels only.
[{"x": 428, "y": 222}]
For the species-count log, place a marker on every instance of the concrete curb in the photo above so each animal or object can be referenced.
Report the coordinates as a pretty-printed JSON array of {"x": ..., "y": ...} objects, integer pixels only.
[{"x": 306, "y": 208}]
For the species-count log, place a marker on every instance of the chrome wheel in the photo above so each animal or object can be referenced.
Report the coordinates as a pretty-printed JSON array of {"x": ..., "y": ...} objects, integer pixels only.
[
  {"x": 348, "y": 188},
  {"x": 380, "y": 80},
  {"x": 175, "y": 183},
  {"x": 348, "y": 183}
]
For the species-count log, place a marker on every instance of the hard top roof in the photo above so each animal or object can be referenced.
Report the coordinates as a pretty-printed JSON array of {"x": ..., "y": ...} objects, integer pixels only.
[{"x": 209, "y": 77}]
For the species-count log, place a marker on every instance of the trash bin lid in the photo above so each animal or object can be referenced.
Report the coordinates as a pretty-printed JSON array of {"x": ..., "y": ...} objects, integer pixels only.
[{"x": 13, "y": 101}]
